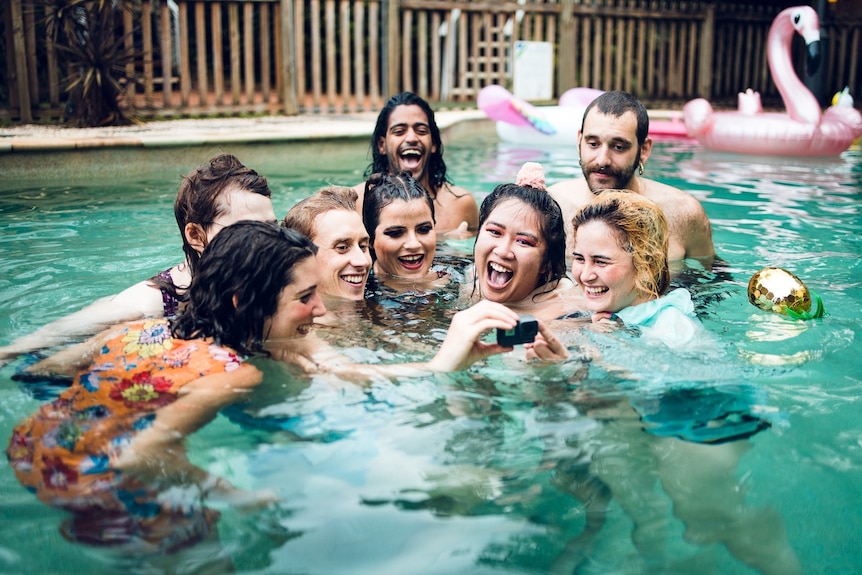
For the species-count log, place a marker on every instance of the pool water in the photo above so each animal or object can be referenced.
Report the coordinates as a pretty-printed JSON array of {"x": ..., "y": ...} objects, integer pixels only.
[{"x": 493, "y": 469}]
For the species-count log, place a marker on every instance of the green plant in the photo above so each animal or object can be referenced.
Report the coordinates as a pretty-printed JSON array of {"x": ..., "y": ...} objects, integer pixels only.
[{"x": 89, "y": 34}]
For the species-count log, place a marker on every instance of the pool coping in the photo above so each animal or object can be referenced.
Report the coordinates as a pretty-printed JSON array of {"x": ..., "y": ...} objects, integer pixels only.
[{"x": 210, "y": 131}]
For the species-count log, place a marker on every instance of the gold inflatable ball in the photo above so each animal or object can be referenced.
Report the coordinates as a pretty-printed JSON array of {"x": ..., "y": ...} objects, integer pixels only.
[{"x": 778, "y": 290}]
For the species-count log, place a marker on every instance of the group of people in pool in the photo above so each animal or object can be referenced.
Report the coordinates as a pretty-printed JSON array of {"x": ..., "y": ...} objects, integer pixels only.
[{"x": 252, "y": 286}]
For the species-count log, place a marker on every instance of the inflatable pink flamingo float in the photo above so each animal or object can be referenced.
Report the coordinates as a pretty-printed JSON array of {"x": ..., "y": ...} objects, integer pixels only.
[
  {"x": 520, "y": 122},
  {"x": 804, "y": 130}
]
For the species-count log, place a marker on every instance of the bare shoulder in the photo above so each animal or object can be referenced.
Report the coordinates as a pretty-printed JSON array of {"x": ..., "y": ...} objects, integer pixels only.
[
  {"x": 571, "y": 194},
  {"x": 672, "y": 199},
  {"x": 461, "y": 202}
]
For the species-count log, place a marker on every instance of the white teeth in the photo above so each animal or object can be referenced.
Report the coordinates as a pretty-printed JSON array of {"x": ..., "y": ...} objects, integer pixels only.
[
  {"x": 353, "y": 279},
  {"x": 595, "y": 290},
  {"x": 415, "y": 258},
  {"x": 498, "y": 268},
  {"x": 411, "y": 153}
]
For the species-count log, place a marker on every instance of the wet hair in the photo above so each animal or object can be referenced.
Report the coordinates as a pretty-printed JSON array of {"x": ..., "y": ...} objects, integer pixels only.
[
  {"x": 231, "y": 268},
  {"x": 198, "y": 202},
  {"x": 301, "y": 217},
  {"x": 436, "y": 167},
  {"x": 381, "y": 190},
  {"x": 550, "y": 225},
  {"x": 641, "y": 230},
  {"x": 616, "y": 103}
]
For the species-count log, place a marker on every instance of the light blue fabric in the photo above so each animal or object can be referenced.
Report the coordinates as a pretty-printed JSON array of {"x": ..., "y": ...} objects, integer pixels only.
[{"x": 669, "y": 318}]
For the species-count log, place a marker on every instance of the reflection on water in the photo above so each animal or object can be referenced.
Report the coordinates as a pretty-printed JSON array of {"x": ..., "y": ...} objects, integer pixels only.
[{"x": 506, "y": 467}]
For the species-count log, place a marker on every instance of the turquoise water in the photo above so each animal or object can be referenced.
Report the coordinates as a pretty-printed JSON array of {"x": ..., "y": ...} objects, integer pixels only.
[{"x": 475, "y": 472}]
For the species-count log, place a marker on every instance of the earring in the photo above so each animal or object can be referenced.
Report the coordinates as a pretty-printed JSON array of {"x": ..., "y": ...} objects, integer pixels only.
[{"x": 641, "y": 169}]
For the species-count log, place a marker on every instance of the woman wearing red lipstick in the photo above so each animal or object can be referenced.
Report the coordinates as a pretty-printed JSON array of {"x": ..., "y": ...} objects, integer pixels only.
[{"x": 399, "y": 216}]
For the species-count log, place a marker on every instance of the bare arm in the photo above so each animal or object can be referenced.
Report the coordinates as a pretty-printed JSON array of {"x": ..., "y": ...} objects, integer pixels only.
[
  {"x": 139, "y": 301},
  {"x": 157, "y": 454},
  {"x": 67, "y": 362},
  {"x": 461, "y": 348},
  {"x": 697, "y": 232}
]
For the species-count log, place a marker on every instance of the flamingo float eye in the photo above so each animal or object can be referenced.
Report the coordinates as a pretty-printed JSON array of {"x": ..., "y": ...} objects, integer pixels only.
[{"x": 796, "y": 18}]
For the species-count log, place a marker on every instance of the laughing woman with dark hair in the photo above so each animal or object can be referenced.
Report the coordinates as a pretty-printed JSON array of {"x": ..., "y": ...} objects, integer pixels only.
[
  {"x": 399, "y": 216},
  {"x": 519, "y": 253}
]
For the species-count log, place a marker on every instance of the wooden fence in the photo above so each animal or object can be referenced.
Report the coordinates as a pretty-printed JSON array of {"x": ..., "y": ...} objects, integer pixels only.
[{"x": 206, "y": 57}]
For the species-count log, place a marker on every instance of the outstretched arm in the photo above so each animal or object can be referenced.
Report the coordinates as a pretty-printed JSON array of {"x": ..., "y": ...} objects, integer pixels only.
[
  {"x": 139, "y": 301},
  {"x": 460, "y": 349}
]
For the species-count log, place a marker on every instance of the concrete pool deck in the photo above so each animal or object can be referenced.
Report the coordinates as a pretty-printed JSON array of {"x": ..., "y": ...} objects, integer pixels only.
[
  {"x": 211, "y": 131},
  {"x": 214, "y": 131}
]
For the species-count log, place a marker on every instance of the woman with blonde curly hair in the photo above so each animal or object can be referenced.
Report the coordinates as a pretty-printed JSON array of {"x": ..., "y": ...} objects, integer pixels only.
[{"x": 620, "y": 263}]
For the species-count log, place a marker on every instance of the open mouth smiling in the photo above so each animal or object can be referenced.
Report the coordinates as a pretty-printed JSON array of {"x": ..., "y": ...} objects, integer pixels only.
[
  {"x": 595, "y": 291},
  {"x": 411, "y": 158},
  {"x": 412, "y": 262},
  {"x": 498, "y": 276}
]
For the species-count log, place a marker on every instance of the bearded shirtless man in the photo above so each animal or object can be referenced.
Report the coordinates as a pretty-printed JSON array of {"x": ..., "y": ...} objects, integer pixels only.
[{"x": 614, "y": 148}]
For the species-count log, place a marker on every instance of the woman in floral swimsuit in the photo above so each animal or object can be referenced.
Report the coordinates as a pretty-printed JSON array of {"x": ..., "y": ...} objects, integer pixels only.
[{"x": 111, "y": 444}]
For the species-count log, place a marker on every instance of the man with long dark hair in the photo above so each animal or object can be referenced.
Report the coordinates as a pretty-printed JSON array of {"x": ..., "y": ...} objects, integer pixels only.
[{"x": 406, "y": 138}]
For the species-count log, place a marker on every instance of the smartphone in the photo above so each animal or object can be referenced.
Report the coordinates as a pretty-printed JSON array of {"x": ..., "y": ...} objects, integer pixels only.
[{"x": 524, "y": 332}]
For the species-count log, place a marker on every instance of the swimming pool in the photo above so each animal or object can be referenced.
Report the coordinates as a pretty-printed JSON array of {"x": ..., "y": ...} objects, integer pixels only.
[{"x": 470, "y": 473}]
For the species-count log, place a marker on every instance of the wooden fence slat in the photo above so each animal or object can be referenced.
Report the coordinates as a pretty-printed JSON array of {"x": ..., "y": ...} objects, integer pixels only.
[
  {"x": 619, "y": 44},
  {"x": 30, "y": 44},
  {"x": 217, "y": 55},
  {"x": 462, "y": 55},
  {"x": 374, "y": 76},
  {"x": 316, "y": 47},
  {"x": 691, "y": 60},
  {"x": 330, "y": 54},
  {"x": 166, "y": 59},
  {"x": 436, "y": 56},
  {"x": 201, "y": 53},
  {"x": 185, "y": 61},
  {"x": 147, "y": 35},
  {"x": 422, "y": 54},
  {"x": 21, "y": 75},
  {"x": 302, "y": 75},
  {"x": 234, "y": 37},
  {"x": 359, "y": 54},
  {"x": 265, "y": 52},
  {"x": 346, "y": 69},
  {"x": 131, "y": 73},
  {"x": 406, "y": 50},
  {"x": 285, "y": 20},
  {"x": 248, "y": 51}
]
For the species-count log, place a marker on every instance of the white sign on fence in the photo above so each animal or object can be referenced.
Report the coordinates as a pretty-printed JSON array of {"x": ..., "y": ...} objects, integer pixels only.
[{"x": 533, "y": 70}]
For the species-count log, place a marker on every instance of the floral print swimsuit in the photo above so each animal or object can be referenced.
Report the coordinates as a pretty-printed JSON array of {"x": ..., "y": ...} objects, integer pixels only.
[{"x": 63, "y": 452}]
